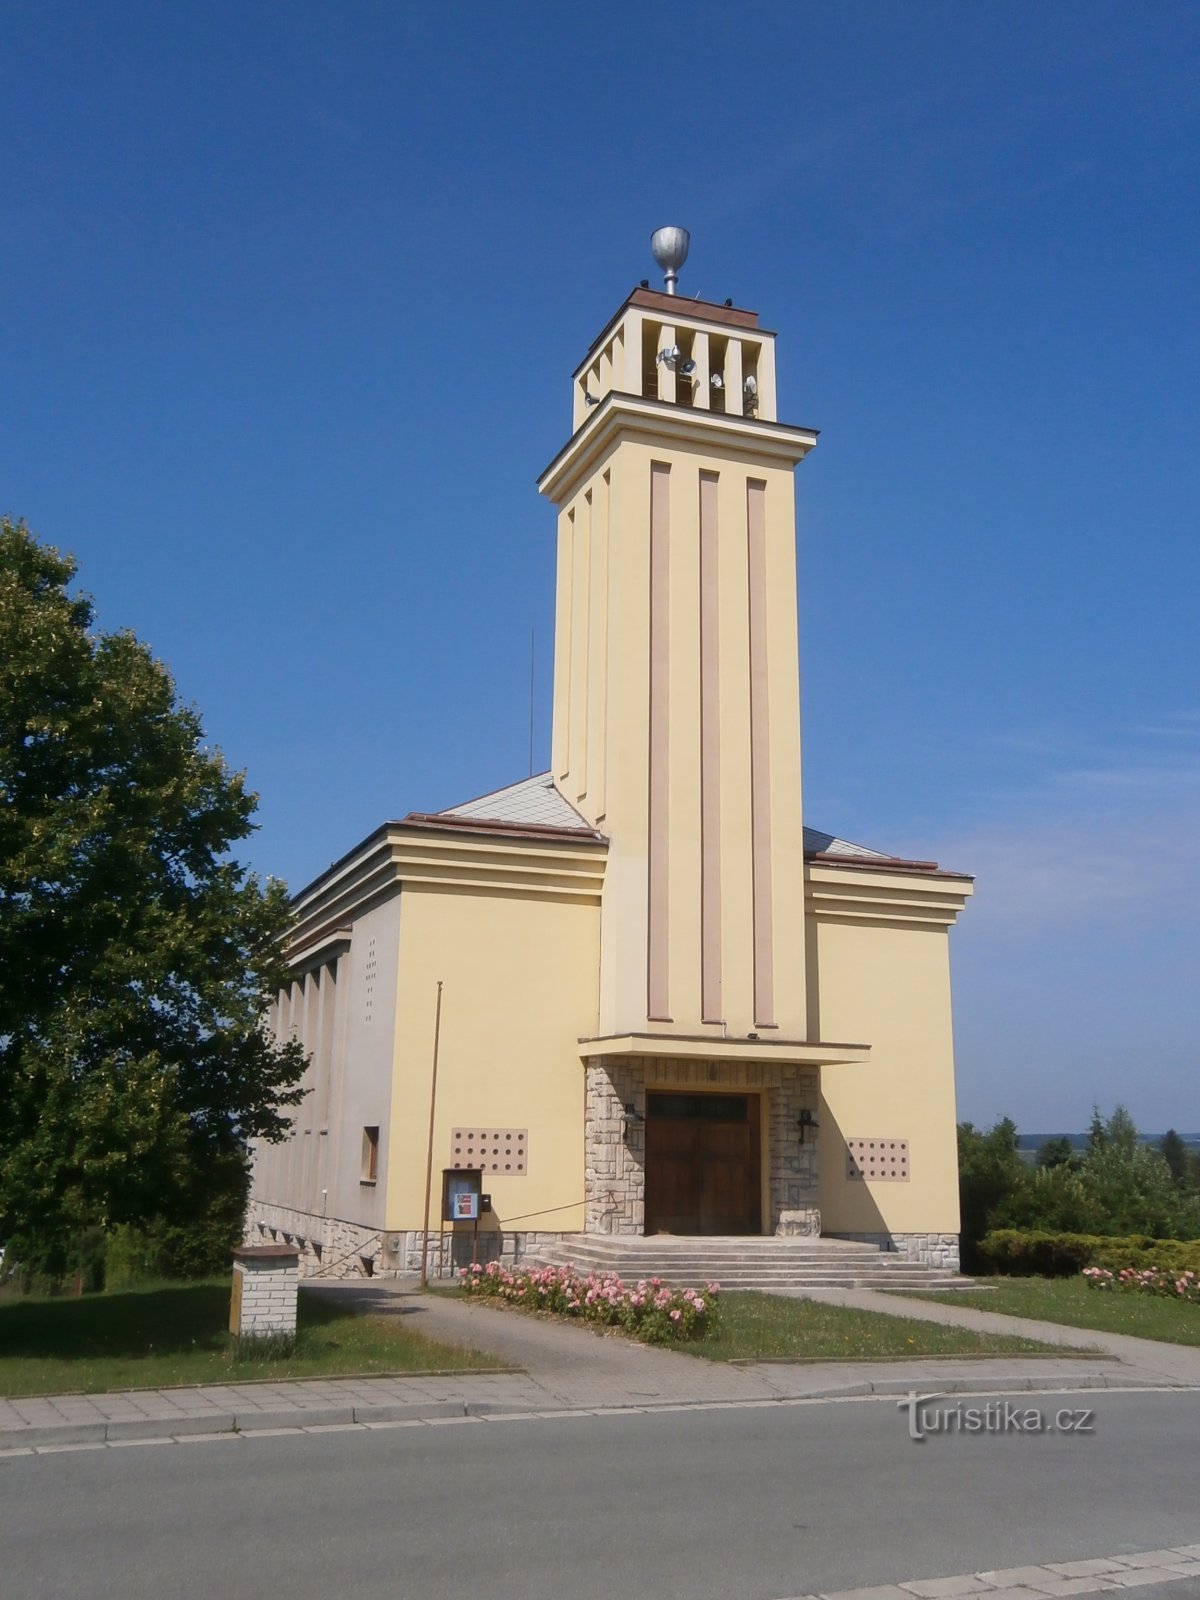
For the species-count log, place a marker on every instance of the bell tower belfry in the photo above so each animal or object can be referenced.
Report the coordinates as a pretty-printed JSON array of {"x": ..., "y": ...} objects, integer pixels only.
[{"x": 676, "y": 726}]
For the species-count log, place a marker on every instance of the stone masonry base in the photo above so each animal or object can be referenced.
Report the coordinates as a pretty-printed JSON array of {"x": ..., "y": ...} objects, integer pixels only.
[
  {"x": 930, "y": 1249},
  {"x": 331, "y": 1248}
]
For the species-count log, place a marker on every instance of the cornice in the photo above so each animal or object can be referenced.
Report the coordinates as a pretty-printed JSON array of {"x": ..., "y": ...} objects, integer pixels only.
[
  {"x": 401, "y": 855},
  {"x": 872, "y": 893},
  {"x": 634, "y": 416},
  {"x": 690, "y": 1047}
]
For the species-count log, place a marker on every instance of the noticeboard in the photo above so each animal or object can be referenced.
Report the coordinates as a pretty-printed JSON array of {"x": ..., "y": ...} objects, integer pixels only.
[{"x": 461, "y": 1193}]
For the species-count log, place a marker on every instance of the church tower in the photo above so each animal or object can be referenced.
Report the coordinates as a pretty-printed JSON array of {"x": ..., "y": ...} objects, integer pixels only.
[
  {"x": 759, "y": 1012},
  {"x": 676, "y": 727}
]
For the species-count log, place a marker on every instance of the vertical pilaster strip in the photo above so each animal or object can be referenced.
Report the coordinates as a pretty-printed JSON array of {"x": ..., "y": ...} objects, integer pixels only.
[
  {"x": 658, "y": 822},
  {"x": 582, "y": 648},
  {"x": 329, "y": 993},
  {"x": 566, "y": 617},
  {"x": 710, "y": 755},
  {"x": 320, "y": 1088},
  {"x": 288, "y": 1186},
  {"x": 760, "y": 755},
  {"x": 312, "y": 1003},
  {"x": 599, "y": 716},
  {"x": 342, "y": 973},
  {"x": 266, "y": 1156}
]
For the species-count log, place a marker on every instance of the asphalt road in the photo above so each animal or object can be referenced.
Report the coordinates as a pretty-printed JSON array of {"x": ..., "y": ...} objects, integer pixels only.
[{"x": 709, "y": 1504}]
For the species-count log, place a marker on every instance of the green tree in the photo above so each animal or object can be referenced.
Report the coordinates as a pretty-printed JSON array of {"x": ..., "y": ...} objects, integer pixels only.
[
  {"x": 136, "y": 957},
  {"x": 1175, "y": 1154},
  {"x": 1097, "y": 1132},
  {"x": 1132, "y": 1185},
  {"x": 990, "y": 1172},
  {"x": 1055, "y": 1199},
  {"x": 1122, "y": 1185},
  {"x": 1055, "y": 1153}
]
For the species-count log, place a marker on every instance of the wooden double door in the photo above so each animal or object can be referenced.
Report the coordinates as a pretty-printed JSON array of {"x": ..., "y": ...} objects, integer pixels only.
[{"x": 703, "y": 1163}]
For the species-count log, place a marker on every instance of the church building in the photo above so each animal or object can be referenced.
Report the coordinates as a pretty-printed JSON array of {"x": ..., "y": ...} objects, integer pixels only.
[{"x": 634, "y": 996}]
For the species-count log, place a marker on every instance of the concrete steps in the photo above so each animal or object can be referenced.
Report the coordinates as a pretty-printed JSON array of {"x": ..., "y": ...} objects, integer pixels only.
[{"x": 769, "y": 1265}]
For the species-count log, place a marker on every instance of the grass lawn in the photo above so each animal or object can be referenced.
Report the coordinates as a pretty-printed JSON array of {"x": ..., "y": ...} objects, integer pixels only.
[
  {"x": 753, "y": 1326},
  {"x": 177, "y": 1334},
  {"x": 1069, "y": 1300}
]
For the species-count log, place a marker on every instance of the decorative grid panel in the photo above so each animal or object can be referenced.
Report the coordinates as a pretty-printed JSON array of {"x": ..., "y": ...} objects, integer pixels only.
[
  {"x": 877, "y": 1160},
  {"x": 504, "y": 1150}
]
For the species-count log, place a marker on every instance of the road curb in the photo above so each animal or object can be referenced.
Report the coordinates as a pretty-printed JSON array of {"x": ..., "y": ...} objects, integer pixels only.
[
  {"x": 297, "y": 1418},
  {"x": 132, "y": 1428},
  {"x": 292, "y": 1418},
  {"x": 57, "y": 1433}
]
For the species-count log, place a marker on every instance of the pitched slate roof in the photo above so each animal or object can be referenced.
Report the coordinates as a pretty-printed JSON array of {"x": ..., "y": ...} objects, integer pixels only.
[
  {"x": 536, "y": 801},
  {"x": 532, "y": 801},
  {"x": 818, "y": 843}
]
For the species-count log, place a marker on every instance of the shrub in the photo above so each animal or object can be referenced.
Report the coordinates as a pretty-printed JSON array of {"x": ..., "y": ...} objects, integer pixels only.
[
  {"x": 1172, "y": 1255},
  {"x": 1040, "y": 1255},
  {"x": 651, "y": 1309},
  {"x": 72, "y": 1265},
  {"x": 1059, "y": 1255}
]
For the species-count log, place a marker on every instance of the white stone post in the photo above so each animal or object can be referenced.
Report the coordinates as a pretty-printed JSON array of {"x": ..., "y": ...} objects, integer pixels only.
[{"x": 266, "y": 1278}]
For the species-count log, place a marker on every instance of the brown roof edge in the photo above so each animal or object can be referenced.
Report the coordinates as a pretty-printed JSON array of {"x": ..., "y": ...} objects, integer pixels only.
[
  {"x": 436, "y": 821},
  {"x": 928, "y": 869},
  {"x": 710, "y": 310}
]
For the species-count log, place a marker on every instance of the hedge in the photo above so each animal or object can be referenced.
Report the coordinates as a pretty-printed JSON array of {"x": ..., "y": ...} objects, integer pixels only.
[{"x": 1016, "y": 1253}]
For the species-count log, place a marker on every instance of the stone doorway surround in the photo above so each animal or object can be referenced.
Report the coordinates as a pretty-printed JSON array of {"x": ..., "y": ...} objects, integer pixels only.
[{"x": 615, "y": 1156}]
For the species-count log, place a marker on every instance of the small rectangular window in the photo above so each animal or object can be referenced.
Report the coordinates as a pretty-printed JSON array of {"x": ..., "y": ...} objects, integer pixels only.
[{"x": 370, "y": 1155}]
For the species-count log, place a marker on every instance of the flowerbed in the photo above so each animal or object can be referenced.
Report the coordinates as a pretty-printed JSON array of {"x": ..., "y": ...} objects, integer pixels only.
[
  {"x": 650, "y": 1309},
  {"x": 1147, "y": 1280}
]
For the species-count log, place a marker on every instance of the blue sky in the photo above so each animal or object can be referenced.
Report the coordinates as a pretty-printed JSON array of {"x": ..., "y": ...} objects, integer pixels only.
[{"x": 283, "y": 285}]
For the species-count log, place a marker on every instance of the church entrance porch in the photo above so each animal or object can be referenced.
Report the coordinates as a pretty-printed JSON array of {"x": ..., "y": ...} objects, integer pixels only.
[
  {"x": 699, "y": 1146},
  {"x": 703, "y": 1163}
]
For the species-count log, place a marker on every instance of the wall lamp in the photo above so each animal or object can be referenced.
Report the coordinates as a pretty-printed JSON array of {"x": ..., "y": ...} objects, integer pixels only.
[
  {"x": 716, "y": 381},
  {"x": 590, "y": 398},
  {"x": 806, "y": 1122},
  {"x": 633, "y": 1118}
]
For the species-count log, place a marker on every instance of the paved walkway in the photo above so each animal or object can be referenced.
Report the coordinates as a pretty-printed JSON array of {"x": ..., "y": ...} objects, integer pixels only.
[
  {"x": 1103, "y": 1575},
  {"x": 565, "y": 1368},
  {"x": 1159, "y": 1362}
]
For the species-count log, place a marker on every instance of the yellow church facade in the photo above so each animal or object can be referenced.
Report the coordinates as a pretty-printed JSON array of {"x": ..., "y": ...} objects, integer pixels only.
[{"x": 635, "y": 996}]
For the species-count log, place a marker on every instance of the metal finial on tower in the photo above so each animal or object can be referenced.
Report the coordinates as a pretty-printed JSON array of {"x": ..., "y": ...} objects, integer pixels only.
[{"x": 670, "y": 248}]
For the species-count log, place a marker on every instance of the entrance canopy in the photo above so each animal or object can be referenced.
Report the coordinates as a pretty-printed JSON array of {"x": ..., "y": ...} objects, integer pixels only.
[{"x": 765, "y": 1052}]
